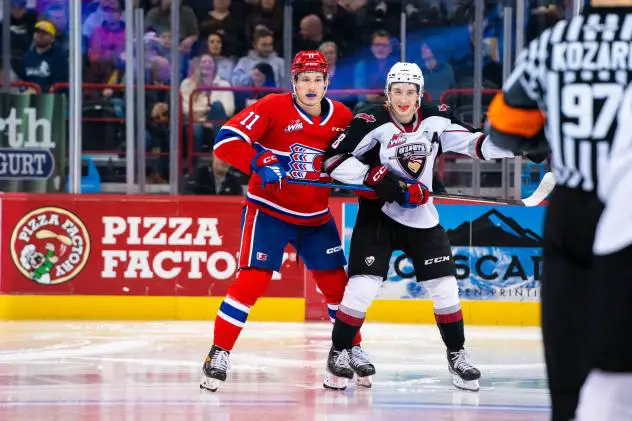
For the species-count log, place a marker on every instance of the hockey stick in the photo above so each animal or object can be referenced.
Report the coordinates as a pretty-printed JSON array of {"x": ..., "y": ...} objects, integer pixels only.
[{"x": 544, "y": 188}]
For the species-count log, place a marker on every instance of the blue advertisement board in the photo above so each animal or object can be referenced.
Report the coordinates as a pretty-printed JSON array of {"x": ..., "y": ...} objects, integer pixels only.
[{"x": 497, "y": 251}]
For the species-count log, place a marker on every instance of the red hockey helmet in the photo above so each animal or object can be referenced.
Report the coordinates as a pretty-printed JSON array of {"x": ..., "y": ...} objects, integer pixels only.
[{"x": 309, "y": 61}]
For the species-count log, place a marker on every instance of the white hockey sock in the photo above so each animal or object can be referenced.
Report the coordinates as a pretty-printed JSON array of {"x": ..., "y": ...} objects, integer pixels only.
[{"x": 606, "y": 397}]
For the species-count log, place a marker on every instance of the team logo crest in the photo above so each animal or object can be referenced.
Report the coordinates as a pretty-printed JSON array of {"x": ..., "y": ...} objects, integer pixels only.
[
  {"x": 412, "y": 158},
  {"x": 444, "y": 107},
  {"x": 305, "y": 162},
  {"x": 50, "y": 245},
  {"x": 369, "y": 118}
]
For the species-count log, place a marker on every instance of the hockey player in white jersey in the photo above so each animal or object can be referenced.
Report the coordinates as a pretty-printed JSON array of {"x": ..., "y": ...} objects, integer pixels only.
[{"x": 392, "y": 148}]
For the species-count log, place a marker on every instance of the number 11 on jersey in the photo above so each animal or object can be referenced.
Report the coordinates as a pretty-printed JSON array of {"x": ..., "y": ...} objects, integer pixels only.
[{"x": 250, "y": 120}]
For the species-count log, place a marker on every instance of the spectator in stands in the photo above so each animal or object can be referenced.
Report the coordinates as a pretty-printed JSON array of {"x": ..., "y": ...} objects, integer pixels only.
[
  {"x": 262, "y": 77},
  {"x": 229, "y": 24},
  {"x": 263, "y": 51},
  {"x": 157, "y": 122},
  {"x": 22, "y": 24},
  {"x": 438, "y": 74},
  {"x": 421, "y": 14},
  {"x": 159, "y": 18},
  {"x": 96, "y": 18},
  {"x": 105, "y": 72},
  {"x": 340, "y": 73},
  {"x": 310, "y": 35},
  {"x": 206, "y": 108},
  {"x": 353, "y": 6},
  {"x": 219, "y": 178},
  {"x": 268, "y": 14},
  {"x": 44, "y": 64},
  {"x": 380, "y": 15},
  {"x": 463, "y": 60},
  {"x": 108, "y": 41},
  {"x": 339, "y": 25},
  {"x": 542, "y": 18},
  {"x": 223, "y": 64},
  {"x": 371, "y": 72},
  {"x": 58, "y": 16},
  {"x": 157, "y": 45}
]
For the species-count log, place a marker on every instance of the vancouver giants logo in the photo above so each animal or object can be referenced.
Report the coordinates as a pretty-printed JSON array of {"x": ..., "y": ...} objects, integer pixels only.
[
  {"x": 412, "y": 158},
  {"x": 369, "y": 118},
  {"x": 305, "y": 162}
]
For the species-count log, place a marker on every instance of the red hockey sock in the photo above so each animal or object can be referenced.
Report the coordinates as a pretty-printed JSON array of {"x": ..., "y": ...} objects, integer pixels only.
[
  {"x": 332, "y": 284},
  {"x": 233, "y": 312}
]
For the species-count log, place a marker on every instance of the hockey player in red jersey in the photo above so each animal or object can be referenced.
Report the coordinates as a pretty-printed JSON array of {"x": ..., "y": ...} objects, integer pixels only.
[{"x": 281, "y": 136}]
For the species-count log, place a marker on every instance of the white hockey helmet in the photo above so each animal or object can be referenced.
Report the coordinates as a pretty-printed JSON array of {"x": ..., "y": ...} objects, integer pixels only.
[{"x": 405, "y": 73}]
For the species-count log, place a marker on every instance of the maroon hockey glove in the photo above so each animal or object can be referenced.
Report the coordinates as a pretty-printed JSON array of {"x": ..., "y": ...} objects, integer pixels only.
[{"x": 386, "y": 185}]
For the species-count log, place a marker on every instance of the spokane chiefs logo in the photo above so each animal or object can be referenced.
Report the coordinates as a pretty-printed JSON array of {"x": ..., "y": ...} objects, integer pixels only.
[
  {"x": 305, "y": 162},
  {"x": 50, "y": 245}
]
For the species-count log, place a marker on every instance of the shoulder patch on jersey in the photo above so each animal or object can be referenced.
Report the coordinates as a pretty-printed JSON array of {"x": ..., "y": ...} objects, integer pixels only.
[
  {"x": 369, "y": 118},
  {"x": 443, "y": 108}
]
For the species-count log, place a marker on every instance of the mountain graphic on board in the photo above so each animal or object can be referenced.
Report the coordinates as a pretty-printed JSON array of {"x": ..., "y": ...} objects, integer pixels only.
[{"x": 493, "y": 229}]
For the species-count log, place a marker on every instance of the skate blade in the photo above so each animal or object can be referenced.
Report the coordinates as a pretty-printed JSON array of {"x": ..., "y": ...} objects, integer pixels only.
[
  {"x": 335, "y": 383},
  {"x": 208, "y": 383},
  {"x": 366, "y": 381},
  {"x": 459, "y": 383}
]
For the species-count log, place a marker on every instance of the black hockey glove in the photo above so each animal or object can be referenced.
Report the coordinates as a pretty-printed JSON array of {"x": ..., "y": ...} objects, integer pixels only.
[{"x": 387, "y": 186}]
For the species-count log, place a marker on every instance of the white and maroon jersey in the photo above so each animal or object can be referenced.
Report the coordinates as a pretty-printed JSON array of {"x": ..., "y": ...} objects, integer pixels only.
[
  {"x": 409, "y": 151},
  {"x": 277, "y": 123}
]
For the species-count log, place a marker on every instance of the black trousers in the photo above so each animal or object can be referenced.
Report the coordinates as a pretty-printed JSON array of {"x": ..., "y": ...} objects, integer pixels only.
[
  {"x": 612, "y": 304},
  {"x": 567, "y": 294}
]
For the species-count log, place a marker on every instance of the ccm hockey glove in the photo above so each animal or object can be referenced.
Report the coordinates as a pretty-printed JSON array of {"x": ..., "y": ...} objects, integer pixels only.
[
  {"x": 268, "y": 168},
  {"x": 384, "y": 183}
]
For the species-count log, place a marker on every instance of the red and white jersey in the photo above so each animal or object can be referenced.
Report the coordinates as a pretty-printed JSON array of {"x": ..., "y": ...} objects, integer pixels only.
[{"x": 277, "y": 123}]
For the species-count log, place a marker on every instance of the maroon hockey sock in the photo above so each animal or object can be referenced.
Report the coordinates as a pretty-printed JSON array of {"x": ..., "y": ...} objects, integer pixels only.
[
  {"x": 346, "y": 328},
  {"x": 452, "y": 329}
]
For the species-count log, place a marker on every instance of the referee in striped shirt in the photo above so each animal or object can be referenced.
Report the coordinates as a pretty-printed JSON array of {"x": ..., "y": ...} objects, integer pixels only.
[{"x": 571, "y": 94}]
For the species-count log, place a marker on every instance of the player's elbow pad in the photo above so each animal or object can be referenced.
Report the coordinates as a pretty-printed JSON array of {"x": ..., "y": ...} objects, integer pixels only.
[{"x": 333, "y": 162}]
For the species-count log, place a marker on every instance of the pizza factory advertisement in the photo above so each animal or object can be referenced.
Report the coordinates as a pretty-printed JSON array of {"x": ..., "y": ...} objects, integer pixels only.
[
  {"x": 497, "y": 252},
  {"x": 88, "y": 246}
]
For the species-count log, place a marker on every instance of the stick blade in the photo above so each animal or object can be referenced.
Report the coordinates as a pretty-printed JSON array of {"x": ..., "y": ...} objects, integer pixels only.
[{"x": 544, "y": 189}]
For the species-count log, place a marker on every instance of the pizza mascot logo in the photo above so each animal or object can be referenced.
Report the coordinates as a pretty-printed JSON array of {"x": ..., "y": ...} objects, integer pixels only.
[{"x": 50, "y": 245}]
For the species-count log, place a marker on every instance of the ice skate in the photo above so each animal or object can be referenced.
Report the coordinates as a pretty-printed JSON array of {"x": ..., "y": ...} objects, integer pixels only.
[
  {"x": 464, "y": 375},
  {"x": 338, "y": 370},
  {"x": 361, "y": 364},
  {"x": 214, "y": 370}
]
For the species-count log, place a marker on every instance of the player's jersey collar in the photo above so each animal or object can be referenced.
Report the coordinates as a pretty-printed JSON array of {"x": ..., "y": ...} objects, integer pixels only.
[{"x": 327, "y": 110}]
